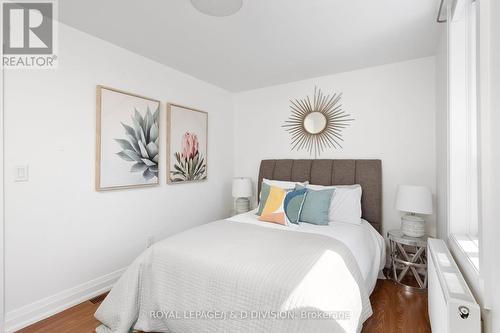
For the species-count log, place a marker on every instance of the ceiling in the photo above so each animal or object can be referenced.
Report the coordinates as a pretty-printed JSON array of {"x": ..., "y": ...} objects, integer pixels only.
[{"x": 267, "y": 42}]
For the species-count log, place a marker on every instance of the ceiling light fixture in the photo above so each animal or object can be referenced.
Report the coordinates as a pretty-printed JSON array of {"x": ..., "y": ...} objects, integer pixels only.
[{"x": 218, "y": 8}]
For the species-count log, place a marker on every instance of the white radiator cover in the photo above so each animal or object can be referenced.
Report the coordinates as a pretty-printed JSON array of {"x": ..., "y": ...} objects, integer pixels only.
[{"x": 452, "y": 307}]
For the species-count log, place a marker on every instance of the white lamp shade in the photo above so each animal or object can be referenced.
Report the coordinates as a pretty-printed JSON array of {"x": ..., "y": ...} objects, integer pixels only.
[
  {"x": 242, "y": 188},
  {"x": 414, "y": 199}
]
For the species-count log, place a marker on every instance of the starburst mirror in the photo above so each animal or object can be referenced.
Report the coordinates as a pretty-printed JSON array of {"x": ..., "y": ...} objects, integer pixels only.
[{"x": 317, "y": 124}]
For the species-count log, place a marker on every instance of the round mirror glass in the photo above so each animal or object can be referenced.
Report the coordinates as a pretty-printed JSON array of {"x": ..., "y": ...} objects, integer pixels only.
[{"x": 315, "y": 122}]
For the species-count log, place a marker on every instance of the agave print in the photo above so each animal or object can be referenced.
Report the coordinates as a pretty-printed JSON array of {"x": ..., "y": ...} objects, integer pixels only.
[
  {"x": 141, "y": 145},
  {"x": 190, "y": 163}
]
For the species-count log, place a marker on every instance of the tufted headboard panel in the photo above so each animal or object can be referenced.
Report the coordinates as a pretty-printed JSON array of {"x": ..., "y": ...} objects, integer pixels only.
[{"x": 367, "y": 173}]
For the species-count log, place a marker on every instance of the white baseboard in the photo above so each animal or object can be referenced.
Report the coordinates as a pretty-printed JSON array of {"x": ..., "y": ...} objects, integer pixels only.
[{"x": 49, "y": 306}]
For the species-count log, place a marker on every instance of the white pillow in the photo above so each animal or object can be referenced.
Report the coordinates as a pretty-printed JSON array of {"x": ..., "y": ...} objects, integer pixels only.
[
  {"x": 346, "y": 203},
  {"x": 286, "y": 185}
]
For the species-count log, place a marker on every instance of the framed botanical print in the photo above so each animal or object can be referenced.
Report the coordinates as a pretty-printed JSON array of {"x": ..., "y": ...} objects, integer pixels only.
[
  {"x": 187, "y": 135},
  {"x": 127, "y": 140}
]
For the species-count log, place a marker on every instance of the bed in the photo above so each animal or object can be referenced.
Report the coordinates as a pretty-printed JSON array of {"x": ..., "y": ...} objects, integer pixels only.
[{"x": 244, "y": 275}]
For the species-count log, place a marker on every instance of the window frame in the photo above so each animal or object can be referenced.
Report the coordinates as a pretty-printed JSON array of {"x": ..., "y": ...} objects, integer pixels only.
[{"x": 464, "y": 225}]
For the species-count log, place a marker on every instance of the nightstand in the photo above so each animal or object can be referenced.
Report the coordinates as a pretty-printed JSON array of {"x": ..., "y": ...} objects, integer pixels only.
[{"x": 408, "y": 254}]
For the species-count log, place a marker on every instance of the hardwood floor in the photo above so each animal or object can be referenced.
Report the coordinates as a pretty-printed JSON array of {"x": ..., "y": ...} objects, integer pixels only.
[
  {"x": 78, "y": 319},
  {"x": 394, "y": 311},
  {"x": 397, "y": 310}
]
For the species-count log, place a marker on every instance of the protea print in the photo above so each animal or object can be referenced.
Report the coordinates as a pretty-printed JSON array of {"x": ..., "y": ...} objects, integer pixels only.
[
  {"x": 141, "y": 145},
  {"x": 190, "y": 163}
]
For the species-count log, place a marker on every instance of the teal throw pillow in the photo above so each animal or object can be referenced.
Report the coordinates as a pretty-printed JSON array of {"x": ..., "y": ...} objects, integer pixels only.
[{"x": 316, "y": 206}]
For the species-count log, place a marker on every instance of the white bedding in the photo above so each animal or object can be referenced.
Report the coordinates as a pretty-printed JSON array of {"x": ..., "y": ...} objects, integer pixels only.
[
  {"x": 197, "y": 280},
  {"x": 365, "y": 243}
]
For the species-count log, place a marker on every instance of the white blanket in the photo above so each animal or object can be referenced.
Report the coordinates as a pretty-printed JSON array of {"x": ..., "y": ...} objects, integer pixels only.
[
  {"x": 365, "y": 243},
  {"x": 238, "y": 277}
]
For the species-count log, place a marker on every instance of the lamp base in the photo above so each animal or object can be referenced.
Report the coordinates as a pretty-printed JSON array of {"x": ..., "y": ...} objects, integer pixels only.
[
  {"x": 242, "y": 205},
  {"x": 413, "y": 226}
]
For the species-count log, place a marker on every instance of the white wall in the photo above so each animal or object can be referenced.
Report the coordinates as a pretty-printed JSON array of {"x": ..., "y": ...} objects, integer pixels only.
[
  {"x": 394, "y": 107},
  {"x": 494, "y": 198},
  {"x": 494, "y": 157},
  {"x": 490, "y": 159},
  {"x": 61, "y": 232}
]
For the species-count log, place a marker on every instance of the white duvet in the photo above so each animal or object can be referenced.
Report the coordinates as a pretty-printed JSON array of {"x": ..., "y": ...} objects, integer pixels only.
[
  {"x": 365, "y": 243},
  {"x": 227, "y": 276}
]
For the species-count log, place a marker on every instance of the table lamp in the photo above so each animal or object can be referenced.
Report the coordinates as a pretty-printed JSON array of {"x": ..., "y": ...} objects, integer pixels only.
[
  {"x": 413, "y": 200},
  {"x": 242, "y": 190}
]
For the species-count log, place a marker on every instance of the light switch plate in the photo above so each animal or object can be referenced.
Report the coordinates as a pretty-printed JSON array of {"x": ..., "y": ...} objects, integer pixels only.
[{"x": 21, "y": 173}]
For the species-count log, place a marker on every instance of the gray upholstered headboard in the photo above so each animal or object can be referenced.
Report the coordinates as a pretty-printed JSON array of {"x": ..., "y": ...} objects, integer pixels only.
[{"x": 367, "y": 173}]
